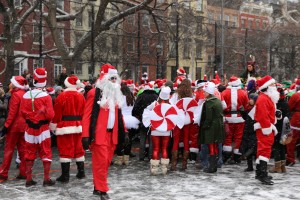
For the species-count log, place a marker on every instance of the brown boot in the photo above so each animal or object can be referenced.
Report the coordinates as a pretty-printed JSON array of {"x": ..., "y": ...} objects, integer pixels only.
[
  {"x": 283, "y": 169},
  {"x": 174, "y": 160},
  {"x": 185, "y": 158},
  {"x": 276, "y": 168}
]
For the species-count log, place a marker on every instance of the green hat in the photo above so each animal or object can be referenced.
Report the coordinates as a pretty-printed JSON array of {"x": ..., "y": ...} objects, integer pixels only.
[{"x": 286, "y": 84}]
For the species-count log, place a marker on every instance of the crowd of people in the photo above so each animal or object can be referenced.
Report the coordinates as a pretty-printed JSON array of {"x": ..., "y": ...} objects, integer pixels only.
[{"x": 204, "y": 122}]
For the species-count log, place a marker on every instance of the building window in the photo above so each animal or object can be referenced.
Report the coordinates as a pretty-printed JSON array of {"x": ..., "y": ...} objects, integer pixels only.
[
  {"x": 18, "y": 35},
  {"x": 187, "y": 4},
  {"x": 130, "y": 19},
  {"x": 210, "y": 17},
  {"x": 187, "y": 70},
  {"x": 130, "y": 44},
  {"x": 145, "y": 21},
  {"x": 144, "y": 69},
  {"x": 210, "y": 60},
  {"x": 199, "y": 7},
  {"x": 186, "y": 48},
  {"x": 250, "y": 25},
  {"x": 199, "y": 25},
  {"x": 60, "y": 4},
  {"x": 226, "y": 20},
  {"x": 243, "y": 22},
  {"x": 145, "y": 46},
  {"x": 17, "y": 3},
  {"x": 257, "y": 24},
  {"x": 264, "y": 25},
  {"x": 79, "y": 20},
  {"x": 78, "y": 68},
  {"x": 90, "y": 19},
  {"x": 172, "y": 48},
  {"x": 36, "y": 33},
  {"x": 57, "y": 68},
  {"x": 19, "y": 67},
  {"x": 62, "y": 33},
  {"x": 199, "y": 45},
  {"x": 37, "y": 64},
  {"x": 234, "y": 21},
  {"x": 219, "y": 19}
]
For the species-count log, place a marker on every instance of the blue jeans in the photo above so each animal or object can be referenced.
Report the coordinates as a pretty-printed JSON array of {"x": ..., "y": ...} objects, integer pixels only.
[{"x": 204, "y": 154}]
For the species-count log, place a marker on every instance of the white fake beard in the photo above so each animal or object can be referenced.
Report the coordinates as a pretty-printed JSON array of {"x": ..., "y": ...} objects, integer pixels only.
[
  {"x": 111, "y": 94},
  {"x": 273, "y": 94}
]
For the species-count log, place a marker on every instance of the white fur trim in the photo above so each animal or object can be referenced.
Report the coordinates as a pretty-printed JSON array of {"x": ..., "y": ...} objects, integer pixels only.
[
  {"x": 164, "y": 161},
  {"x": 235, "y": 83},
  {"x": 65, "y": 160},
  {"x": 234, "y": 101},
  {"x": 80, "y": 159},
  {"x": 52, "y": 126},
  {"x": 68, "y": 130},
  {"x": 70, "y": 89},
  {"x": 227, "y": 148},
  {"x": 234, "y": 120},
  {"x": 37, "y": 139},
  {"x": 112, "y": 71},
  {"x": 194, "y": 150},
  {"x": 40, "y": 85},
  {"x": 154, "y": 162},
  {"x": 236, "y": 151},
  {"x": 34, "y": 92},
  {"x": 46, "y": 159},
  {"x": 262, "y": 158},
  {"x": 267, "y": 84},
  {"x": 53, "y": 92},
  {"x": 40, "y": 76},
  {"x": 160, "y": 133},
  {"x": 224, "y": 105},
  {"x": 265, "y": 131},
  {"x": 295, "y": 128},
  {"x": 16, "y": 84},
  {"x": 69, "y": 85}
]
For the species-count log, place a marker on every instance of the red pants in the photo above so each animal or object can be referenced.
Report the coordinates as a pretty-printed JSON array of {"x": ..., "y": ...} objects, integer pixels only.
[
  {"x": 160, "y": 143},
  {"x": 235, "y": 134},
  {"x": 101, "y": 159},
  {"x": 177, "y": 132},
  {"x": 70, "y": 146},
  {"x": 194, "y": 132},
  {"x": 213, "y": 149},
  {"x": 264, "y": 146},
  {"x": 290, "y": 148},
  {"x": 12, "y": 140}
]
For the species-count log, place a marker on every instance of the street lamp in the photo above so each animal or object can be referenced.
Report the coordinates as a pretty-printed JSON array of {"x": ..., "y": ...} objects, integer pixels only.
[
  {"x": 92, "y": 66},
  {"x": 158, "y": 52}
]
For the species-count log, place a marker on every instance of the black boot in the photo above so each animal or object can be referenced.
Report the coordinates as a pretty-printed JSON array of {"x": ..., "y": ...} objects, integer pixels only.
[
  {"x": 193, "y": 157},
  {"x": 103, "y": 195},
  {"x": 257, "y": 172},
  {"x": 263, "y": 175},
  {"x": 65, "y": 173},
  {"x": 236, "y": 159},
  {"x": 249, "y": 164},
  {"x": 226, "y": 156},
  {"x": 212, "y": 167},
  {"x": 80, "y": 168}
]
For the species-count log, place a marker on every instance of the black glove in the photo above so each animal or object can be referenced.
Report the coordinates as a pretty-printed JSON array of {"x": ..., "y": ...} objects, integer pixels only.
[
  {"x": 85, "y": 143},
  {"x": 278, "y": 114},
  {"x": 4, "y": 131}
]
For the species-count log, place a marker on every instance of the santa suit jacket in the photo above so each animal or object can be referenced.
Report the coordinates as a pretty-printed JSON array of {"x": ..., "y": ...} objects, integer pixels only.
[
  {"x": 294, "y": 104},
  {"x": 14, "y": 121},
  {"x": 101, "y": 125},
  {"x": 265, "y": 115},
  {"x": 234, "y": 98},
  {"x": 68, "y": 104}
]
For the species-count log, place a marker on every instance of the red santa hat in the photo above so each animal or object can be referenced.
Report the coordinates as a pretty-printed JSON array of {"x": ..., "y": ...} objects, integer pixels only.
[
  {"x": 39, "y": 76},
  {"x": 298, "y": 82},
  {"x": 215, "y": 81},
  {"x": 264, "y": 82},
  {"x": 181, "y": 71},
  {"x": 234, "y": 81},
  {"x": 107, "y": 69},
  {"x": 158, "y": 83},
  {"x": 180, "y": 79},
  {"x": 19, "y": 82},
  {"x": 209, "y": 87},
  {"x": 147, "y": 86},
  {"x": 50, "y": 90},
  {"x": 72, "y": 82},
  {"x": 165, "y": 93},
  {"x": 205, "y": 77}
]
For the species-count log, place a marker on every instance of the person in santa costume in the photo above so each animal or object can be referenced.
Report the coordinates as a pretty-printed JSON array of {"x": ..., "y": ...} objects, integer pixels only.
[
  {"x": 236, "y": 100},
  {"x": 103, "y": 125},
  {"x": 68, "y": 108},
  {"x": 144, "y": 79},
  {"x": 181, "y": 75},
  {"x": 37, "y": 109},
  {"x": 265, "y": 126},
  {"x": 294, "y": 104},
  {"x": 14, "y": 129}
]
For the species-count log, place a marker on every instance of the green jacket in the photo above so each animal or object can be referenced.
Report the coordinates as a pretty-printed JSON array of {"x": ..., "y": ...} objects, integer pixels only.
[{"x": 211, "y": 125}]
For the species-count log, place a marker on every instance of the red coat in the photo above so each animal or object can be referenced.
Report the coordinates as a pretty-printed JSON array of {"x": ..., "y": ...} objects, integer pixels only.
[
  {"x": 234, "y": 99},
  {"x": 14, "y": 121},
  {"x": 265, "y": 115},
  {"x": 102, "y": 120},
  {"x": 294, "y": 104},
  {"x": 68, "y": 103}
]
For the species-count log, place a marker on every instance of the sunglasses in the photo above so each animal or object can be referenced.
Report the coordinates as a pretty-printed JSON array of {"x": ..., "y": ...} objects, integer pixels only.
[{"x": 113, "y": 78}]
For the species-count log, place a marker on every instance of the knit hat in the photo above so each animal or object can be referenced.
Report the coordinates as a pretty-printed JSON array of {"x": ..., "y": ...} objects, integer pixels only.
[
  {"x": 58, "y": 88},
  {"x": 234, "y": 81},
  {"x": 72, "y": 82},
  {"x": 39, "y": 76},
  {"x": 253, "y": 96},
  {"x": 209, "y": 87},
  {"x": 165, "y": 93},
  {"x": 169, "y": 84},
  {"x": 251, "y": 85},
  {"x": 50, "y": 90},
  {"x": 19, "y": 82},
  {"x": 264, "y": 82}
]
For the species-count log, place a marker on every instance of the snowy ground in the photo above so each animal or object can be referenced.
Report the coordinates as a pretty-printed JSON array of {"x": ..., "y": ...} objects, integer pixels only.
[{"x": 135, "y": 182}]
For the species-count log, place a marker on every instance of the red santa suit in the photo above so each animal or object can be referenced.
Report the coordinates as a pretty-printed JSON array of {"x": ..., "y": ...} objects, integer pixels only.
[
  {"x": 15, "y": 124},
  {"x": 106, "y": 130},
  {"x": 37, "y": 109},
  {"x": 69, "y": 108},
  {"x": 235, "y": 98},
  {"x": 294, "y": 105}
]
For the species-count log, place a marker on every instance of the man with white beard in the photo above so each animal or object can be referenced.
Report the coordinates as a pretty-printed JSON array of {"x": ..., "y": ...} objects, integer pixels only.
[
  {"x": 103, "y": 125},
  {"x": 265, "y": 130}
]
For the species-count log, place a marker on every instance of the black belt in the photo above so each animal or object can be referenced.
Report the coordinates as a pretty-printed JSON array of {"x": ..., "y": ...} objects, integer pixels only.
[
  {"x": 36, "y": 126},
  {"x": 109, "y": 130},
  {"x": 296, "y": 111},
  {"x": 71, "y": 118},
  {"x": 232, "y": 112}
]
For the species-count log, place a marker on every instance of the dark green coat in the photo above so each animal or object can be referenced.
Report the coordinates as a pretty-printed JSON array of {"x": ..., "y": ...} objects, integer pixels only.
[{"x": 211, "y": 125}]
